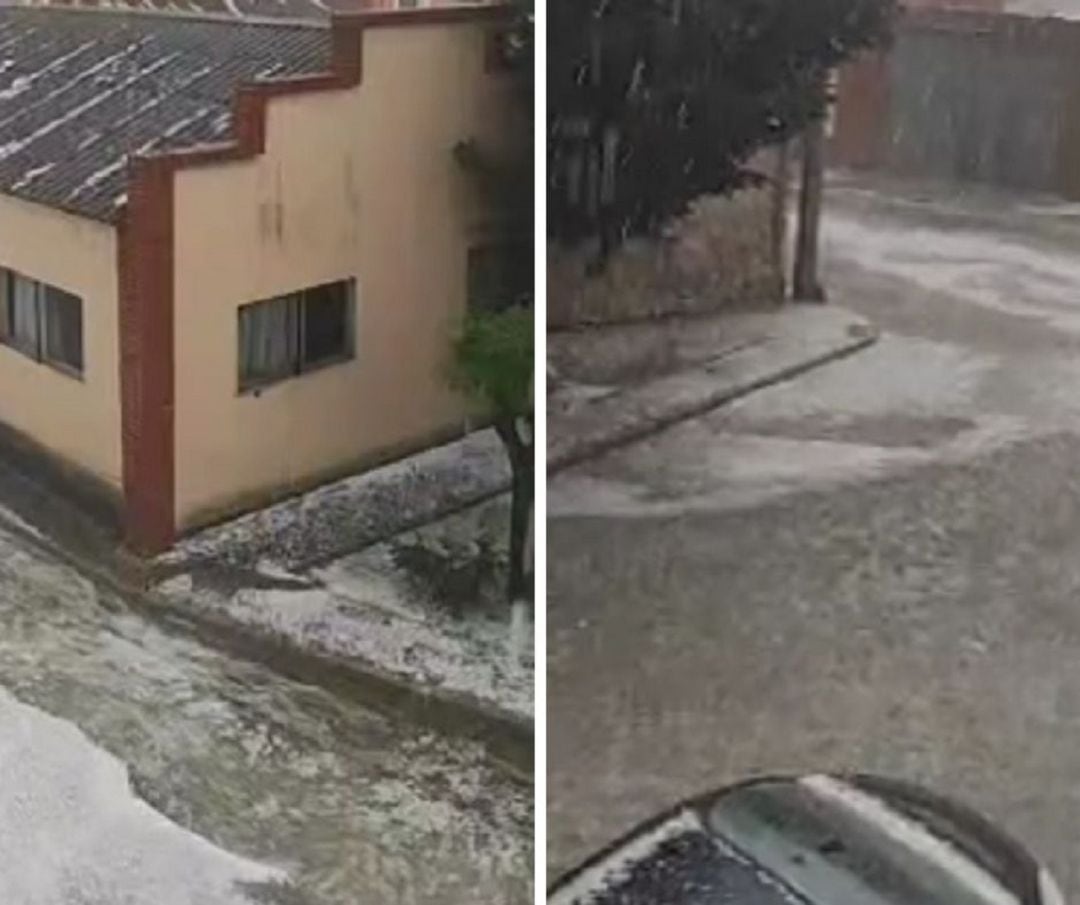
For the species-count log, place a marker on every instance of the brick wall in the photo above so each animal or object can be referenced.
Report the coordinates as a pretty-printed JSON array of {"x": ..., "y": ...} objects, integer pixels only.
[
  {"x": 860, "y": 112},
  {"x": 144, "y": 265},
  {"x": 967, "y": 96}
]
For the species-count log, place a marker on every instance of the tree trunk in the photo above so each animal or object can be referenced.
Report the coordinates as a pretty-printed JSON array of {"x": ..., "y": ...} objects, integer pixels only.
[
  {"x": 779, "y": 212},
  {"x": 519, "y": 451},
  {"x": 806, "y": 286}
]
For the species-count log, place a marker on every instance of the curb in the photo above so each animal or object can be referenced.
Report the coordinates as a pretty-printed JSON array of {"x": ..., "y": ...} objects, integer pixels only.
[
  {"x": 623, "y": 434},
  {"x": 161, "y": 571},
  {"x": 509, "y": 741}
]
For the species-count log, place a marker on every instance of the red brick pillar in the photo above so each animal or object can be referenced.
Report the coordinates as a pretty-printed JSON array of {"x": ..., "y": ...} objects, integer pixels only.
[{"x": 145, "y": 268}]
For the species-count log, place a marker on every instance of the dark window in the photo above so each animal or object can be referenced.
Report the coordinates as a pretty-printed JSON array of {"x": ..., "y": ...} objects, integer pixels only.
[
  {"x": 286, "y": 336},
  {"x": 63, "y": 328},
  {"x": 325, "y": 323},
  {"x": 499, "y": 276},
  {"x": 42, "y": 321}
]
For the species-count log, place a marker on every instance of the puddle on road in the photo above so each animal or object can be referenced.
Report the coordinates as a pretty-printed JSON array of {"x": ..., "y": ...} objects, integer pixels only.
[{"x": 359, "y": 807}]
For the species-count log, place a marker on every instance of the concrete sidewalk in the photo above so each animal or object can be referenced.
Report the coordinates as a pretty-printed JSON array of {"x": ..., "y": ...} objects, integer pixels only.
[
  {"x": 424, "y": 610},
  {"x": 388, "y": 584},
  {"x": 614, "y": 385},
  {"x": 355, "y": 512}
]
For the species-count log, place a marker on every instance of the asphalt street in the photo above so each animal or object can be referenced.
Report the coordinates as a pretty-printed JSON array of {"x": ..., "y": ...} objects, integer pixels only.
[{"x": 875, "y": 567}]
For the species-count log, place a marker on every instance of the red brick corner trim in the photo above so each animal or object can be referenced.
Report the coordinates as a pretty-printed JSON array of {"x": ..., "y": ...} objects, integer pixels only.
[{"x": 146, "y": 268}]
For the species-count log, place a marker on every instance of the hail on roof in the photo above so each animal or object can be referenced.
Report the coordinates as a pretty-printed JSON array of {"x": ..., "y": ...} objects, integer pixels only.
[
  {"x": 14, "y": 147},
  {"x": 23, "y": 82}
]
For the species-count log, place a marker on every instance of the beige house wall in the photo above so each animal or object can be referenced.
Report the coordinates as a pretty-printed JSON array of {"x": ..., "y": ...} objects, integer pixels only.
[
  {"x": 357, "y": 183},
  {"x": 77, "y": 420}
]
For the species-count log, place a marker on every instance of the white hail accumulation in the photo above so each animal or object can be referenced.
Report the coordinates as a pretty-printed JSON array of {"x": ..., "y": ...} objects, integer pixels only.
[
  {"x": 72, "y": 831},
  {"x": 118, "y": 163},
  {"x": 19, "y": 144},
  {"x": 24, "y": 82},
  {"x": 102, "y": 72}
]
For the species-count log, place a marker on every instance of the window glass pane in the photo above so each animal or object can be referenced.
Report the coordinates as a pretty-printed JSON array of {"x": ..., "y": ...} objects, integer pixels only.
[
  {"x": 267, "y": 340},
  {"x": 63, "y": 328},
  {"x": 23, "y": 315},
  {"x": 5, "y": 305},
  {"x": 326, "y": 323}
]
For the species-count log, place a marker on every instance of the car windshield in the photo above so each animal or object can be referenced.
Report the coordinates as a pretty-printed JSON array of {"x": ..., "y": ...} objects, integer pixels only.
[
  {"x": 834, "y": 843},
  {"x": 676, "y": 863}
]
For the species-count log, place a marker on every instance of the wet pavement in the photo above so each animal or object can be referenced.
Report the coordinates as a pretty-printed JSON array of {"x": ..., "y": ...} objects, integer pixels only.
[
  {"x": 356, "y": 806},
  {"x": 874, "y": 567}
]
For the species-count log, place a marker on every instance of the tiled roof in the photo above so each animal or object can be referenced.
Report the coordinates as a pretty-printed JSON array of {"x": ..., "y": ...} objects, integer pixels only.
[
  {"x": 81, "y": 90},
  {"x": 258, "y": 9}
]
